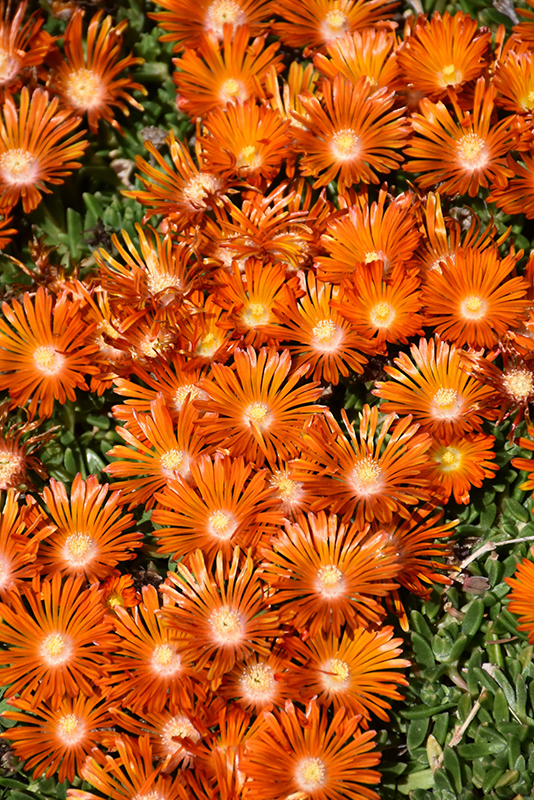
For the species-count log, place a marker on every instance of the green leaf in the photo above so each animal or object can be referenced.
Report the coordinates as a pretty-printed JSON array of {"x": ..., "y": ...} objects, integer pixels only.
[
  {"x": 473, "y": 617},
  {"x": 422, "y": 651},
  {"x": 452, "y": 765},
  {"x": 424, "y": 779},
  {"x": 480, "y": 749},
  {"x": 417, "y": 731}
]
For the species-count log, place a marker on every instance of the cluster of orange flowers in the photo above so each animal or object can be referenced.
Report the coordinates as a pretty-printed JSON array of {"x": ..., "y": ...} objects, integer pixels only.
[{"x": 257, "y": 666}]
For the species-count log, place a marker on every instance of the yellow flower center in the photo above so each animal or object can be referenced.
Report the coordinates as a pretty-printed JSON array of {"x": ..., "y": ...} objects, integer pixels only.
[
  {"x": 330, "y": 581},
  {"x": 70, "y": 729},
  {"x": 48, "y": 360},
  {"x": 324, "y": 331},
  {"x": 200, "y": 187},
  {"x": 78, "y": 549},
  {"x": 345, "y": 145},
  {"x": 335, "y": 24},
  {"x": 189, "y": 390},
  {"x": 226, "y": 626},
  {"x": 9, "y": 66},
  {"x": 257, "y": 682},
  {"x": 450, "y": 75},
  {"x": 444, "y": 398},
  {"x": 288, "y": 490},
  {"x": 55, "y": 649},
  {"x": 450, "y": 459},
  {"x": 528, "y": 104},
  {"x": 165, "y": 660},
  {"x": 181, "y": 726},
  {"x": 310, "y": 774},
  {"x": 446, "y": 403},
  {"x": 157, "y": 279},
  {"x": 382, "y": 315},
  {"x": 336, "y": 674},
  {"x": 371, "y": 256},
  {"x": 519, "y": 383},
  {"x": 366, "y": 477},
  {"x": 208, "y": 345},
  {"x": 222, "y": 11},
  {"x": 172, "y": 460},
  {"x": 149, "y": 796},
  {"x": 472, "y": 151},
  {"x": 83, "y": 89},
  {"x": 249, "y": 157},
  {"x": 257, "y": 414},
  {"x": 256, "y": 314},
  {"x": 10, "y": 465},
  {"x": 232, "y": 90},
  {"x": 18, "y": 166},
  {"x": 222, "y": 524},
  {"x": 473, "y": 307}
]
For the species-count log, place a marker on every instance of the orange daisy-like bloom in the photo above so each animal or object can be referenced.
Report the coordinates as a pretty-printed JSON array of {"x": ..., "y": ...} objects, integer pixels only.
[
  {"x": 220, "y": 506},
  {"x": 147, "y": 669},
  {"x": 325, "y": 574},
  {"x": 363, "y": 478},
  {"x": 31, "y": 150},
  {"x": 301, "y": 81},
  {"x": 118, "y": 590},
  {"x": 325, "y": 342},
  {"x": 352, "y": 672},
  {"x": 22, "y": 46},
  {"x": 525, "y": 30},
  {"x": 222, "y": 619},
  {"x": 131, "y": 775},
  {"x": 16, "y": 451},
  {"x": 182, "y": 192},
  {"x": 188, "y": 20},
  {"x": 517, "y": 197},
  {"x": 260, "y": 410},
  {"x": 19, "y": 539},
  {"x": 245, "y": 138},
  {"x": 352, "y": 136},
  {"x": 444, "y": 53},
  {"x": 521, "y": 598},
  {"x": 205, "y": 337},
  {"x": 58, "y": 644},
  {"x": 45, "y": 351},
  {"x": 310, "y": 756},
  {"x": 514, "y": 82},
  {"x": 388, "y": 311},
  {"x": 159, "y": 456},
  {"x": 369, "y": 54},
  {"x": 462, "y": 154},
  {"x": 90, "y": 535},
  {"x": 214, "y": 76},
  {"x": 365, "y": 234},
  {"x": 258, "y": 681},
  {"x": 433, "y": 387},
  {"x": 87, "y": 79},
  {"x": 459, "y": 463},
  {"x": 316, "y": 23},
  {"x": 57, "y": 739},
  {"x": 469, "y": 301}
]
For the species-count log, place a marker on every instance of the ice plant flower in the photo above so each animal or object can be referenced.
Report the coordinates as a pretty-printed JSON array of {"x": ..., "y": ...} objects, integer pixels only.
[
  {"x": 516, "y": 196},
  {"x": 369, "y": 54},
  {"x": 45, "y": 351},
  {"x": 521, "y": 598},
  {"x": 20, "y": 536},
  {"x": 87, "y": 78},
  {"x": 464, "y": 152},
  {"x": 22, "y": 45},
  {"x": 34, "y": 149},
  {"x": 353, "y": 135},
  {"x": 460, "y": 462},
  {"x": 310, "y": 756}
]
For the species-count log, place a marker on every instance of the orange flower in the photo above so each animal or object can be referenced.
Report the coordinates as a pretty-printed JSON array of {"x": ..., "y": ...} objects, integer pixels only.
[
  {"x": 57, "y": 739},
  {"x": 514, "y": 82},
  {"x": 44, "y": 351},
  {"x": 161, "y": 454},
  {"x": 181, "y": 194},
  {"x": 246, "y": 139},
  {"x": 325, "y": 574},
  {"x": 118, "y": 590},
  {"x": 352, "y": 672},
  {"x": 289, "y": 491},
  {"x": 214, "y": 76},
  {"x": 310, "y": 756},
  {"x": 517, "y": 196},
  {"x": 23, "y": 45},
  {"x": 87, "y": 79},
  {"x": 521, "y": 598},
  {"x": 130, "y": 775},
  {"x": 31, "y": 150},
  {"x": 188, "y": 20},
  {"x": 16, "y": 451},
  {"x": 443, "y": 54},
  {"x": 257, "y": 682},
  {"x": 326, "y": 343},
  {"x": 58, "y": 642},
  {"x": 147, "y": 669},
  {"x": 20, "y": 536},
  {"x": 459, "y": 463},
  {"x": 525, "y": 30},
  {"x": 353, "y": 136},
  {"x": 469, "y": 300},
  {"x": 362, "y": 478},
  {"x": 387, "y": 310},
  {"x": 369, "y": 54},
  {"x": 368, "y": 233},
  {"x": 432, "y": 387},
  {"x": 89, "y": 536},
  {"x": 222, "y": 620},
  {"x": 315, "y": 23},
  {"x": 461, "y": 154},
  {"x": 260, "y": 410},
  {"x": 220, "y": 506}
]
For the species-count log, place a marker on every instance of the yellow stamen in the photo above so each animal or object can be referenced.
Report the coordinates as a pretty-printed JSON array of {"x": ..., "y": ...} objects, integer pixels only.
[
  {"x": 257, "y": 682},
  {"x": 222, "y": 524},
  {"x": 48, "y": 360},
  {"x": 336, "y": 674},
  {"x": 450, "y": 75},
  {"x": 366, "y": 477},
  {"x": 444, "y": 398},
  {"x": 10, "y": 466},
  {"x": 288, "y": 490},
  {"x": 71, "y": 729},
  {"x": 208, "y": 345},
  {"x": 200, "y": 187},
  {"x": 165, "y": 660},
  {"x": 77, "y": 549},
  {"x": 450, "y": 459},
  {"x": 55, "y": 649},
  {"x": 257, "y": 414},
  {"x": 249, "y": 157},
  {"x": 157, "y": 278},
  {"x": 371, "y": 256},
  {"x": 324, "y": 331},
  {"x": 181, "y": 726},
  {"x": 172, "y": 459},
  {"x": 183, "y": 392},
  {"x": 330, "y": 581},
  {"x": 446, "y": 403},
  {"x": 9, "y": 66},
  {"x": 345, "y": 144},
  {"x": 472, "y": 151},
  {"x": 17, "y": 166},
  {"x": 335, "y": 24},
  {"x": 226, "y": 626},
  {"x": 231, "y": 90},
  {"x": 83, "y": 89},
  {"x": 221, "y": 12},
  {"x": 519, "y": 383},
  {"x": 256, "y": 314},
  {"x": 473, "y": 307},
  {"x": 310, "y": 774},
  {"x": 528, "y": 104},
  {"x": 382, "y": 315}
]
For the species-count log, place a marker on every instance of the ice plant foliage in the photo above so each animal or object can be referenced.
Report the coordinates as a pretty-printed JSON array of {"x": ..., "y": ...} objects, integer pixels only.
[{"x": 300, "y": 370}]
